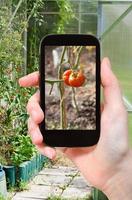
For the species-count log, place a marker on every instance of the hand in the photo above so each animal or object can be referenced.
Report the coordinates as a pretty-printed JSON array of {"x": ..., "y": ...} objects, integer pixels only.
[{"x": 100, "y": 163}]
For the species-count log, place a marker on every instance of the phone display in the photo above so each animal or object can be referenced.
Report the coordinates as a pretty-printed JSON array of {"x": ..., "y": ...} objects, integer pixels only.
[{"x": 70, "y": 90}]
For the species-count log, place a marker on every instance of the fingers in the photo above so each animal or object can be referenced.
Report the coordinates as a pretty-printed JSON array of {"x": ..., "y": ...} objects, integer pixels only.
[
  {"x": 37, "y": 140},
  {"x": 34, "y": 109},
  {"x": 47, "y": 151},
  {"x": 29, "y": 80},
  {"x": 112, "y": 93},
  {"x": 34, "y": 132},
  {"x": 37, "y": 116}
]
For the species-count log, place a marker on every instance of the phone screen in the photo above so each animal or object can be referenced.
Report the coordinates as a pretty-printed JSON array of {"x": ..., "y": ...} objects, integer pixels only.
[{"x": 70, "y": 87}]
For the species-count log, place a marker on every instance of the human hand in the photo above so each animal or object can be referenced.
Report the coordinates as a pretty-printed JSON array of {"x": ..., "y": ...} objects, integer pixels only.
[{"x": 99, "y": 163}]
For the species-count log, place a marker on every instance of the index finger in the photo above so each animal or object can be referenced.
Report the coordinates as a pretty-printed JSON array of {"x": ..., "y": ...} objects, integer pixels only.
[{"x": 29, "y": 80}]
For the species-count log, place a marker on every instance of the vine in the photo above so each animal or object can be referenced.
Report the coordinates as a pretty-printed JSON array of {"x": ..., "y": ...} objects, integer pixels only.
[{"x": 63, "y": 122}]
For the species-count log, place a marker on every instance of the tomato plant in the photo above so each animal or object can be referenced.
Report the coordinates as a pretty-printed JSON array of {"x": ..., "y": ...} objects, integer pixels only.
[
  {"x": 73, "y": 78},
  {"x": 76, "y": 79},
  {"x": 66, "y": 76}
]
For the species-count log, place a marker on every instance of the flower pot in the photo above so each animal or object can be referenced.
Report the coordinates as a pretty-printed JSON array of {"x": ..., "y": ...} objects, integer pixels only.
[
  {"x": 33, "y": 166},
  {"x": 30, "y": 169},
  {"x": 23, "y": 172},
  {"x": 44, "y": 159},
  {"x": 3, "y": 189},
  {"x": 10, "y": 172},
  {"x": 98, "y": 195},
  {"x": 37, "y": 162}
]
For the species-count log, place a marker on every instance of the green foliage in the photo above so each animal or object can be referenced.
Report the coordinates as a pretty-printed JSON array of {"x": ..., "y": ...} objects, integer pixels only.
[
  {"x": 61, "y": 198},
  {"x": 35, "y": 6},
  {"x": 65, "y": 13},
  {"x": 4, "y": 198},
  {"x": 23, "y": 149},
  {"x": 1, "y": 197},
  {"x": 13, "y": 99},
  {"x": 42, "y": 24},
  {"x": 98, "y": 195},
  {"x": 22, "y": 186},
  {"x": 15, "y": 145},
  {"x": 10, "y": 44},
  {"x": 55, "y": 198}
]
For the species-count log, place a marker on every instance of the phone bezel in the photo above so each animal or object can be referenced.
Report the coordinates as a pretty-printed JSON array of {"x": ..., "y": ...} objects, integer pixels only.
[{"x": 69, "y": 138}]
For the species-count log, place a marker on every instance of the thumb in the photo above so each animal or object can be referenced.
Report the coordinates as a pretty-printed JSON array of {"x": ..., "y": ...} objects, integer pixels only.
[{"x": 111, "y": 89}]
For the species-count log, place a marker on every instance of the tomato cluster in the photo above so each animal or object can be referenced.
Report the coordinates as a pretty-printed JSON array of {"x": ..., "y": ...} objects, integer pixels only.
[{"x": 73, "y": 78}]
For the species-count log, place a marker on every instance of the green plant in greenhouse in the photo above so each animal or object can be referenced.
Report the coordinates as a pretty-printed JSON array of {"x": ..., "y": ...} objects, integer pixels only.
[
  {"x": 66, "y": 14},
  {"x": 13, "y": 115},
  {"x": 23, "y": 149},
  {"x": 15, "y": 145},
  {"x": 15, "y": 17},
  {"x": 39, "y": 26}
]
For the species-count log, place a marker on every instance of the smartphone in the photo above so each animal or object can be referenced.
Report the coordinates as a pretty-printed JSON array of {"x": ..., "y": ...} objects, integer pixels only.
[{"x": 70, "y": 90}]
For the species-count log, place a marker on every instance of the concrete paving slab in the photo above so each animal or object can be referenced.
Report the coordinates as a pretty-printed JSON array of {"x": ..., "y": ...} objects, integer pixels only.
[
  {"x": 51, "y": 180},
  {"x": 56, "y": 181},
  {"x": 38, "y": 192},
  {"x": 74, "y": 193}
]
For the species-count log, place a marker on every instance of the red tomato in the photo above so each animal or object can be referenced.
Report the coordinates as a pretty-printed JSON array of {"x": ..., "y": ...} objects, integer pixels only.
[
  {"x": 76, "y": 79},
  {"x": 66, "y": 76}
]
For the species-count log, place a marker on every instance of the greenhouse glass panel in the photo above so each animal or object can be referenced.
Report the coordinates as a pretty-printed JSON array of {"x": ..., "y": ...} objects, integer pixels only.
[
  {"x": 115, "y": 31},
  {"x": 115, "y": 34},
  {"x": 84, "y": 20}
]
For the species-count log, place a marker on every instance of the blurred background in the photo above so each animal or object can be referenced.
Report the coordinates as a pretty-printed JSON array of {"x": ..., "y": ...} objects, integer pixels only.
[{"x": 23, "y": 23}]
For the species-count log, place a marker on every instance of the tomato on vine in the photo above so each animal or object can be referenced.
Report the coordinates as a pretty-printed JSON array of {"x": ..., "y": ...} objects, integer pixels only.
[
  {"x": 74, "y": 78},
  {"x": 66, "y": 76}
]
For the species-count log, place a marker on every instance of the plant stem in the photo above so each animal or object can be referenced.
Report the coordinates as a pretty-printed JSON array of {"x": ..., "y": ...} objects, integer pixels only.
[
  {"x": 74, "y": 99},
  {"x": 53, "y": 81},
  {"x": 75, "y": 67},
  {"x": 52, "y": 85},
  {"x": 63, "y": 121},
  {"x": 78, "y": 56}
]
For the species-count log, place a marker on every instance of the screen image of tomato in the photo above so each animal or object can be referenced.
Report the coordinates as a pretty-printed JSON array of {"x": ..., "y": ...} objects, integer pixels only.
[{"x": 70, "y": 87}]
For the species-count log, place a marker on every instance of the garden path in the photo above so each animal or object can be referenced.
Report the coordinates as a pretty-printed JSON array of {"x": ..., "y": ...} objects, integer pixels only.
[{"x": 61, "y": 181}]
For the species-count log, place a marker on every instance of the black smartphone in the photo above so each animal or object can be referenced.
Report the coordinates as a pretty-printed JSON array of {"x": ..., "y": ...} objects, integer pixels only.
[{"x": 70, "y": 90}]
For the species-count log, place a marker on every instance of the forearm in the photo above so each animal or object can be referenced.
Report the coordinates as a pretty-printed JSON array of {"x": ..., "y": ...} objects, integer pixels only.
[{"x": 120, "y": 185}]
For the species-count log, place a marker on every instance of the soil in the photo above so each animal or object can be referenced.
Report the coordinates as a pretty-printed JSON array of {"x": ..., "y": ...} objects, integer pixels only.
[{"x": 85, "y": 118}]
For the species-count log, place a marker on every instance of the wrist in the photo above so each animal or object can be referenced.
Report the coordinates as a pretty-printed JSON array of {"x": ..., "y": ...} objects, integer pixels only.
[{"x": 119, "y": 186}]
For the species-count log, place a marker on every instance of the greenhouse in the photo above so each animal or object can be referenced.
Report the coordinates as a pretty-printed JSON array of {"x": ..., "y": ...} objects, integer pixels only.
[{"x": 23, "y": 24}]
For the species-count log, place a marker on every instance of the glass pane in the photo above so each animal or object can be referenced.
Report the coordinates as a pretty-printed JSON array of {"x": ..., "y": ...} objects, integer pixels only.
[
  {"x": 50, "y": 6},
  {"x": 89, "y": 24},
  {"x": 117, "y": 45}
]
